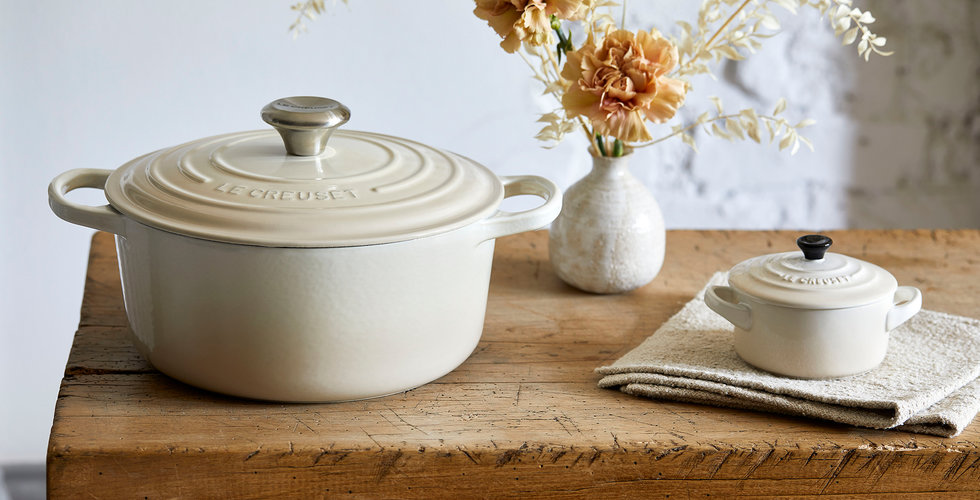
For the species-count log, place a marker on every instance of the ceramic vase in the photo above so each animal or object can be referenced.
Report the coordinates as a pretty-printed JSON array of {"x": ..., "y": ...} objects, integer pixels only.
[{"x": 609, "y": 237}]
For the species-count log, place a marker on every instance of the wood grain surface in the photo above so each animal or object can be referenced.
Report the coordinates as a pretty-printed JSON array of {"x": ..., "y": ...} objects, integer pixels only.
[{"x": 521, "y": 418}]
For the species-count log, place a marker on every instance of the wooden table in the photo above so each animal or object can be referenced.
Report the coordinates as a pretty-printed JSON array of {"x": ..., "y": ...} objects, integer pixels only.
[{"x": 522, "y": 417}]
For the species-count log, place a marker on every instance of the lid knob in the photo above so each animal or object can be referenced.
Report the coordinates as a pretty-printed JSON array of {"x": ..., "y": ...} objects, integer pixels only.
[
  {"x": 305, "y": 122},
  {"x": 814, "y": 245}
]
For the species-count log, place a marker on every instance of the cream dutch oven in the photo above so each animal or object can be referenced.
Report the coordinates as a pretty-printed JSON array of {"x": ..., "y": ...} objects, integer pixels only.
[
  {"x": 310, "y": 272},
  {"x": 812, "y": 314}
]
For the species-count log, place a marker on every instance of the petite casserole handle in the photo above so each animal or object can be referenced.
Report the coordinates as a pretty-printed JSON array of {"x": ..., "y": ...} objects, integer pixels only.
[
  {"x": 907, "y": 303},
  {"x": 506, "y": 223},
  {"x": 719, "y": 300},
  {"x": 103, "y": 218}
]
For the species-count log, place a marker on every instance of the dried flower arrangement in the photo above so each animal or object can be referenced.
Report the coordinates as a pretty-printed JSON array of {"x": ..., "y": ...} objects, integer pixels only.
[{"x": 617, "y": 80}]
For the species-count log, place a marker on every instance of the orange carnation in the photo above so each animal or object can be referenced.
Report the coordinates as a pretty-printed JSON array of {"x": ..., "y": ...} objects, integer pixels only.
[
  {"x": 621, "y": 83},
  {"x": 527, "y": 21}
]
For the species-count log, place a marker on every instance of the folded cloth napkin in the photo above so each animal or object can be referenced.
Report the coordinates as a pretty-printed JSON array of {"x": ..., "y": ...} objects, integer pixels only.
[{"x": 928, "y": 382}]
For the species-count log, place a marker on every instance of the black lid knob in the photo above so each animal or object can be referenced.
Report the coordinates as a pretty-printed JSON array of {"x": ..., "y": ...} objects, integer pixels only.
[{"x": 814, "y": 245}]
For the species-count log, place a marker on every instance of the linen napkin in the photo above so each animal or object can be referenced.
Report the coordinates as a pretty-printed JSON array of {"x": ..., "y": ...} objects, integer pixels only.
[{"x": 928, "y": 382}]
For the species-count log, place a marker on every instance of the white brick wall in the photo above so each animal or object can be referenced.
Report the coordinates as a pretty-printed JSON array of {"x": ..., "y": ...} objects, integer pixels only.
[{"x": 897, "y": 139}]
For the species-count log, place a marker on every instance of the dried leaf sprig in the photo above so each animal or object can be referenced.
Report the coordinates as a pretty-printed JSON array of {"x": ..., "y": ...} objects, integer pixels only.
[
  {"x": 752, "y": 21},
  {"x": 746, "y": 124},
  {"x": 717, "y": 36},
  {"x": 842, "y": 15},
  {"x": 308, "y": 10}
]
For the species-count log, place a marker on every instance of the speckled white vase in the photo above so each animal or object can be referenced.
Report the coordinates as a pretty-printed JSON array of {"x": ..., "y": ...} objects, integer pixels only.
[{"x": 609, "y": 237}]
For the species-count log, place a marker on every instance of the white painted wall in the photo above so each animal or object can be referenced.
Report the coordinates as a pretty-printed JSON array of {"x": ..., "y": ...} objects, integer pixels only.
[{"x": 93, "y": 84}]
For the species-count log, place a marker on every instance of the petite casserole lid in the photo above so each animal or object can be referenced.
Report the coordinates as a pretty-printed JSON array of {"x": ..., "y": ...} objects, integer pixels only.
[
  {"x": 292, "y": 189},
  {"x": 813, "y": 279}
]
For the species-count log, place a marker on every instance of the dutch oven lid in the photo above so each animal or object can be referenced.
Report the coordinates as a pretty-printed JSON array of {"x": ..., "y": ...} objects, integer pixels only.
[
  {"x": 360, "y": 189},
  {"x": 813, "y": 278}
]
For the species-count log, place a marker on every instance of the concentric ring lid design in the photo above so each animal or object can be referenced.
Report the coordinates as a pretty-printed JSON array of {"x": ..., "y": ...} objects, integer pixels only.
[
  {"x": 360, "y": 189},
  {"x": 812, "y": 279}
]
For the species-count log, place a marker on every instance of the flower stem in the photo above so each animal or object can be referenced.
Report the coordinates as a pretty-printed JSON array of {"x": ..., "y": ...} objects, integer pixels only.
[
  {"x": 527, "y": 61},
  {"x": 600, "y": 145},
  {"x": 589, "y": 133},
  {"x": 617, "y": 148},
  {"x": 705, "y": 122},
  {"x": 727, "y": 22}
]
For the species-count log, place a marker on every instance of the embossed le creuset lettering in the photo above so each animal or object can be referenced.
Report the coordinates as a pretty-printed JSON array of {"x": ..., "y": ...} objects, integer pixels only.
[
  {"x": 274, "y": 194},
  {"x": 807, "y": 280}
]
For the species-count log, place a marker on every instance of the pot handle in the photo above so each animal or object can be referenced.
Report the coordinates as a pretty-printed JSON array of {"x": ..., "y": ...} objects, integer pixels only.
[
  {"x": 506, "y": 223},
  {"x": 103, "y": 218},
  {"x": 718, "y": 298},
  {"x": 907, "y": 302}
]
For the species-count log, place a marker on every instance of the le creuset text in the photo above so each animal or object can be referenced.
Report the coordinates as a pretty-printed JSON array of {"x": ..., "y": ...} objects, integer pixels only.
[
  {"x": 272, "y": 194},
  {"x": 816, "y": 281}
]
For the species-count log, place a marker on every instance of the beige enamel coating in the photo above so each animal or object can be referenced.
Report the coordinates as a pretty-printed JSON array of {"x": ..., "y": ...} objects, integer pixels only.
[
  {"x": 833, "y": 282},
  {"x": 305, "y": 324},
  {"x": 812, "y": 318},
  {"x": 812, "y": 343},
  {"x": 365, "y": 189},
  {"x": 288, "y": 188},
  {"x": 291, "y": 324},
  {"x": 302, "y": 271}
]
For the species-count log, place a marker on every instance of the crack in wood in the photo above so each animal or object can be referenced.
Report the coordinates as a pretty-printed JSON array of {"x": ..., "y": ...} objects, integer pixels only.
[
  {"x": 955, "y": 466},
  {"x": 837, "y": 469},
  {"x": 468, "y": 455},
  {"x": 721, "y": 463},
  {"x": 300, "y": 421},
  {"x": 765, "y": 456},
  {"x": 812, "y": 454},
  {"x": 563, "y": 426},
  {"x": 972, "y": 467},
  {"x": 883, "y": 466},
  {"x": 932, "y": 463},
  {"x": 595, "y": 455},
  {"x": 666, "y": 452},
  {"x": 399, "y": 417},
  {"x": 386, "y": 463},
  {"x": 506, "y": 457},
  {"x": 376, "y": 443}
]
